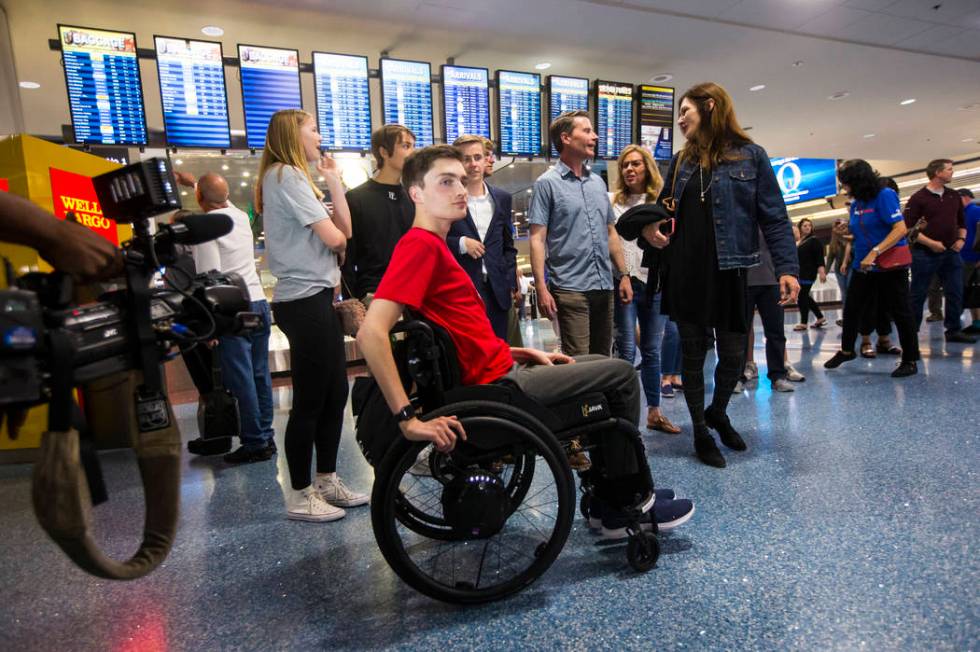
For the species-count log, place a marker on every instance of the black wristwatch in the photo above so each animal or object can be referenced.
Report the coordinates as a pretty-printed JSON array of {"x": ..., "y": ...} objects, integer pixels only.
[{"x": 407, "y": 413}]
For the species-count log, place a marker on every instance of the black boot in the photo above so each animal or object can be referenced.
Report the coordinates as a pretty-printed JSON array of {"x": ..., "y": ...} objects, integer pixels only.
[
  {"x": 719, "y": 421},
  {"x": 706, "y": 449},
  {"x": 906, "y": 368}
]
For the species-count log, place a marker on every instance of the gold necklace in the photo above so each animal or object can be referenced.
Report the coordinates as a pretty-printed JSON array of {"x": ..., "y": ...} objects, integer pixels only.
[{"x": 704, "y": 190}]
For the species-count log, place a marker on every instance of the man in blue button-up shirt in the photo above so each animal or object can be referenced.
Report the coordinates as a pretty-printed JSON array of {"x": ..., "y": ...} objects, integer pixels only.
[{"x": 573, "y": 233}]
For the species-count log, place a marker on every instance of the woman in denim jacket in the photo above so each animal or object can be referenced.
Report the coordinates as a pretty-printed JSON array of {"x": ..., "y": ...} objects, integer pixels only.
[{"x": 723, "y": 192}]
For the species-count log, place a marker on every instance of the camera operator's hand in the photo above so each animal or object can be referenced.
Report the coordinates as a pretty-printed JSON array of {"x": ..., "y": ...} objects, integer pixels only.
[
  {"x": 81, "y": 252},
  {"x": 68, "y": 246},
  {"x": 185, "y": 179}
]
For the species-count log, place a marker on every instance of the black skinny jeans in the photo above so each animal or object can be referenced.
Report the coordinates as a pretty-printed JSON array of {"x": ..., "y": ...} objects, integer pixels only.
[
  {"x": 695, "y": 342},
  {"x": 806, "y": 304},
  {"x": 319, "y": 370},
  {"x": 891, "y": 292},
  {"x": 766, "y": 299}
]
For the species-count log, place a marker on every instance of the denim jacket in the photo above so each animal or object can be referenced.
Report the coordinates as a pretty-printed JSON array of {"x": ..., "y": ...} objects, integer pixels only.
[{"x": 747, "y": 201}]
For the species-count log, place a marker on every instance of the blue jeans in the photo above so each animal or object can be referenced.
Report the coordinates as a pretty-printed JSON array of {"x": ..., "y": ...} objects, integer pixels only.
[
  {"x": 671, "y": 356},
  {"x": 646, "y": 310},
  {"x": 949, "y": 267},
  {"x": 245, "y": 372}
]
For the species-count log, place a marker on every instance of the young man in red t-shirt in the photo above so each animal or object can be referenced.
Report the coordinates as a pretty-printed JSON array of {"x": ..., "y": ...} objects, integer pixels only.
[{"x": 424, "y": 276}]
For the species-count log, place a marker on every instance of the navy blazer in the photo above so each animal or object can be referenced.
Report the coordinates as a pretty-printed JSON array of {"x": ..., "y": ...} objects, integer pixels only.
[{"x": 501, "y": 254}]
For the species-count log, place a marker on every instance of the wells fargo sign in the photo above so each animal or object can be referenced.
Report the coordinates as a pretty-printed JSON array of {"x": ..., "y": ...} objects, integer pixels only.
[{"x": 74, "y": 193}]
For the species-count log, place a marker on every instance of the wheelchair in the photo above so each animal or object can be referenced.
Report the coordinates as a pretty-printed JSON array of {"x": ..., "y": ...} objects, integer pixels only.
[{"x": 486, "y": 520}]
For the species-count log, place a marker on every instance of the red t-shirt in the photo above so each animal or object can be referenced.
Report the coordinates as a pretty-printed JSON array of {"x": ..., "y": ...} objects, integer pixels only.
[{"x": 425, "y": 276}]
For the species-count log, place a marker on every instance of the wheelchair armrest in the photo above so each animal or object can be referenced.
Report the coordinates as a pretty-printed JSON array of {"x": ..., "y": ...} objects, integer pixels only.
[{"x": 413, "y": 325}]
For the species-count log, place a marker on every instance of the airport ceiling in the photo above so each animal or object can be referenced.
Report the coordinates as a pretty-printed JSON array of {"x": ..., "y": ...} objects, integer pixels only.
[{"x": 877, "y": 52}]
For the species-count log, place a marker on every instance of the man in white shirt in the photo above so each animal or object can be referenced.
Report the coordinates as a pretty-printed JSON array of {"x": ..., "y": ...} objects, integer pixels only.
[
  {"x": 244, "y": 358},
  {"x": 483, "y": 243}
]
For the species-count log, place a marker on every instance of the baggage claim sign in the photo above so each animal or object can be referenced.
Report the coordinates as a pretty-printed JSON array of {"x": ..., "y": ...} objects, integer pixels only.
[{"x": 75, "y": 194}]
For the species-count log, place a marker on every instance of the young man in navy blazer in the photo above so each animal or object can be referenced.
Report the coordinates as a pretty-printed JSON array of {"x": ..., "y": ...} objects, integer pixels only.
[{"x": 483, "y": 242}]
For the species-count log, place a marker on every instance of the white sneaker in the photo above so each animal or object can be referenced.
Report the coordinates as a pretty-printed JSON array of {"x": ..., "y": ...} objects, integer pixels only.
[
  {"x": 421, "y": 466},
  {"x": 794, "y": 375},
  {"x": 751, "y": 371},
  {"x": 308, "y": 505},
  {"x": 739, "y": 387},
  {"x": 782, "y": 385},
  {"x": 337, "y": 493}
]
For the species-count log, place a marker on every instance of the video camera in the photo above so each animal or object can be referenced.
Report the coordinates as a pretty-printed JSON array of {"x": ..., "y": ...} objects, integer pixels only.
[
  {"x": 49, "y": 345},
  {"x": 125, "y": 329}
]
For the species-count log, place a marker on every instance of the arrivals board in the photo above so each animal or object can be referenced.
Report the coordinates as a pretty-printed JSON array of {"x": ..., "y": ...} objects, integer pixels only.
[
  {"x": 270, "y": 83},
  {"x": 406, "y": 95},
  {"x": 105, "y": 93},
  {"x": 614, "y": 117},
  {"x": 805, "y": 179},
  {"x": 192, "y": 92},
  {"x": 465, "y": 101},
  {"x": 566, "y": 94},
  {"x": 343, "y": 101},
  {"x": 656, "y": 120},
  {"x": 518, "y": 113}
]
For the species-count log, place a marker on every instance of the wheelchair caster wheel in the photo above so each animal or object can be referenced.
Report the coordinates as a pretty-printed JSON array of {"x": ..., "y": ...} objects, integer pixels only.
[
  {"x": 584, "y": 505},
  {"x": 642, "y": 551}
]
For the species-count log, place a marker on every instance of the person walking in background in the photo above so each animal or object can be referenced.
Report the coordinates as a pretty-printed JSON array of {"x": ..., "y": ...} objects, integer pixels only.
[
  {"x": 639, "y": 182},
  {"x": 304, "y": 242},
  {"x": 938, "y": 241},
  {"x": 969, "y": 254},
  {"x": 810, "y": 252},
  {"x": 877, "y": 226},
  {"x": 724, "y": 191},
  {"x": 837, "y": 253}
]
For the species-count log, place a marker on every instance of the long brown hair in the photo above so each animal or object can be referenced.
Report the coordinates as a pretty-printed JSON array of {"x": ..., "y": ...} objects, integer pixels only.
[
  {"x": 719, "y": 133},
  {"x": 283, "y": 146},
  {"x": 652, "y": 183}
]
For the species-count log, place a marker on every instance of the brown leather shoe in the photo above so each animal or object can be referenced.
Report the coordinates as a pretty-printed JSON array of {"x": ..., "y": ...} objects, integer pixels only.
[{"x": 662, "y": 423}]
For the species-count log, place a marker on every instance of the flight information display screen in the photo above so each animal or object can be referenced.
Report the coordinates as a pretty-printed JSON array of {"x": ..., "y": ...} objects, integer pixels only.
[
  {"x": 656, "y": 119},
  {"x": 192, "y": 91},
  {"x": 519, "y": 113},
  {"x": 566, "y": 94},
  {"x": 805, "y": 179},
  {"x": 406, "y": 95},
  {"x": 465, "y": 101},
  {"x": 343, "y": 101},
  {"x": 105, "y": 93},
  {"x": 270, "y": 83},
  {"x": 614, "y": 117}
]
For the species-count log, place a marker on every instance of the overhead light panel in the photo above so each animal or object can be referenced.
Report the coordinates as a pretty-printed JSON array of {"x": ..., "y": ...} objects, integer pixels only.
[
  {"x": 29, "y": 84},
  {"x": 544, "y": 65},
  {"x": 839, "y": 95},
  {"x": 212, "y": 30},
  {"x": 660, "y": 79},
  {"x": 911, "y": 100},
  {"x": 757, "y": 87}
]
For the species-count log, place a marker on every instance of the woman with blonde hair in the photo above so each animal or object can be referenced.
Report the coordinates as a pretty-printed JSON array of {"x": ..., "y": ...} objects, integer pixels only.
[
  {"x": 723, "y": 193},
  {"x": 639, "y": 182},
  {"x": 305, "y": 245}
]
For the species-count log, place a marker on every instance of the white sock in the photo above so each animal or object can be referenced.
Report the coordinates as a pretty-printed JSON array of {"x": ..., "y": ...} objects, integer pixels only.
[{"x": 326, "y": 477}]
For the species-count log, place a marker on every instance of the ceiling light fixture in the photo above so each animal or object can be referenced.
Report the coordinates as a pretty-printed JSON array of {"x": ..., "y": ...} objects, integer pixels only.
[
  {"x": 757, "y": 87},
  {"x": 212, "y": 30},
  {"x": 29, "y": 84},
  {"x": 178, "y": 162},
  {"x": 660, "y": 79},
  {"x": 244, "y": 184},
  {"x": 544, "y": 65},
  {"x": 869, "y": 135},
  {"x": 970, "y": 107},
  {"x": 839, "y": 95},
  {"x": 246, "y": 174},
  {"x": 967, "y": 140},
  {"x": 224, "y": 166},
  {"x": 911, "y": 100}
]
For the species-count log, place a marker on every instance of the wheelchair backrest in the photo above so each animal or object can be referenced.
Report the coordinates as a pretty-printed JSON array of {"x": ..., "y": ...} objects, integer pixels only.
[{"x": 428, "y": 356}]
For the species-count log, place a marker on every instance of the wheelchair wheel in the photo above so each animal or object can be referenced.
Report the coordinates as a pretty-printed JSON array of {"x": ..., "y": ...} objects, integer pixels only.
[
  {"x": 490, "y": 520},
  {"x": 642, "y": 551}
]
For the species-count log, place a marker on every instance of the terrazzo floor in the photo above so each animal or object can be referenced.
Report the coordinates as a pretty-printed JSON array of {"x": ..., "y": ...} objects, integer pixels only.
[{"x": 850, "y": 524}]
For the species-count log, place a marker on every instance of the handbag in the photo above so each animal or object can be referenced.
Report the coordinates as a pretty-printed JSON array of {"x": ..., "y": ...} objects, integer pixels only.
[
  {"x": 892, "y": 258},
  {"x": 351, "y": 312},
  {"x": 670, "y": 203},
  {"x": 971, "y": 297}
]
